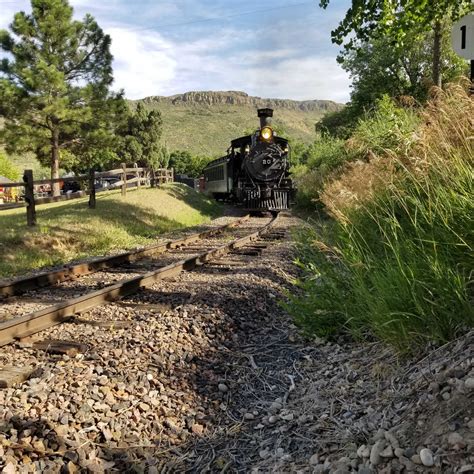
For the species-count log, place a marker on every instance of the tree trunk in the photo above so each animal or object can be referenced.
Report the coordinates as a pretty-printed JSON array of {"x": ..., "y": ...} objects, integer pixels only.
[
  {"x": 437, "y": 54},
  {"x": 55, "y": 161}
]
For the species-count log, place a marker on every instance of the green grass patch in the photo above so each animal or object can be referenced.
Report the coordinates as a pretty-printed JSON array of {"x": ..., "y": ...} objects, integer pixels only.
[{"x": 70, "y": 230}]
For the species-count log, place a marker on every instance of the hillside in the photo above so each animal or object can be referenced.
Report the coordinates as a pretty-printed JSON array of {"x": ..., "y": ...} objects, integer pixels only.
[{"x": 205, "y": 122}]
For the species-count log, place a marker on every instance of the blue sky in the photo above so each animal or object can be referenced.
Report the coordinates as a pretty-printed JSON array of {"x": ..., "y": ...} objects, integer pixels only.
[{"x": 270, "y": 48}]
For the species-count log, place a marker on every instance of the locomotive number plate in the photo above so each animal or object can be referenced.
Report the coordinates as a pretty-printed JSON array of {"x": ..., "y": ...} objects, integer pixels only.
[{"x": 253, "y": 194}]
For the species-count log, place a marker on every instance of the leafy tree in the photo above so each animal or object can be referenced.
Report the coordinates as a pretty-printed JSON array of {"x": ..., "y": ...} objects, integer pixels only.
[
  {"x": 398, "y": 20},
  {"x": 377, "y": 67},
  {"x": 54, "y": 84},
  {"x": 181, "y": 160},
  {"x": 142, "y": 135},
  {"x": 164, "y": 156},
  {"x": 184, "y": 162}
]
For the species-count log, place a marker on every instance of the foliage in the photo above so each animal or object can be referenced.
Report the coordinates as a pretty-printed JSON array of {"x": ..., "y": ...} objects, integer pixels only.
[
  {"x": 54, "y": 84},
  {"x": 396, "y": 264},
  {"x": 387, "y": 127},
  {"x": 141, "y": 138},
  {"x": 339, "y": 124},
  {"x": 184, "y": 162},
  {"x": 377, "y": 67},
  {"x": 297, "y": 150},
  {"x": 70, "y": 230},
  {"x": 320, "y": 160},
  {"x": 397, "y": 19},
  {"x": 8, "y": 169}
]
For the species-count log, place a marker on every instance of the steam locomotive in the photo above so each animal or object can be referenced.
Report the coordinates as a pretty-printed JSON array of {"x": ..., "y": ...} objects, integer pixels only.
[{"x": 255, "y": 170}]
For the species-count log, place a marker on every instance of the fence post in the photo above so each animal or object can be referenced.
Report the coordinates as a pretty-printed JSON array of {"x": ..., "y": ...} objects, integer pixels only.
[
  {"x": 153, "y": 178},
  {"x": 29, "y": 198},
  {"x": 172, "y": 175},
  {"x": 124, "y": 179},
  {"x": 91, "y": 189},
  {"x": 137, "y": 175}
]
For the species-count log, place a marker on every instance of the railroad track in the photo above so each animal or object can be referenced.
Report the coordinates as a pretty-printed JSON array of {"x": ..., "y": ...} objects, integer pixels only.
[{"x": 175, "y": 256}]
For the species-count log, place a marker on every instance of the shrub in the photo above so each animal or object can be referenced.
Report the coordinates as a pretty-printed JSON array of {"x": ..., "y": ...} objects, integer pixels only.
[
  {"x": 8, "y": 169},
  {"x": 322, "y": 159},
  {"x": 386, "y": 128}
]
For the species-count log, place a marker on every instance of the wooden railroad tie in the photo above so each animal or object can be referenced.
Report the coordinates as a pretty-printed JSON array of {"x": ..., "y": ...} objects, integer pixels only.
[
  {"x": 10, "y": 376},
  {"x": 55, "y": 346}
]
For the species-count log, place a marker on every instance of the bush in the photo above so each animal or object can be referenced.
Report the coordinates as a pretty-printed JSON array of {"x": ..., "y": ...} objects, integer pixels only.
[
  {"x": 386, "y": 128},
  {"x": 184, "y": 162},
  {"x": 8, "y": 169},
  {"x": 339, "y": 124},
  {"x": 397, "y": 265},
  {"x": 321, "y": 159}
]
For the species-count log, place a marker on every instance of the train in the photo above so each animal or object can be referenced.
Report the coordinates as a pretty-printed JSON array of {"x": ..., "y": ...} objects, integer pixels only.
[{"x": 255, "y": 171}]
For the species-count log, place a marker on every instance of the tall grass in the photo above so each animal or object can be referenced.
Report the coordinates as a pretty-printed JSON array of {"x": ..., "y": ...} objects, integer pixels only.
[
  {"x": 387, "y": 128},
  {"x": 397, "y": 262}
]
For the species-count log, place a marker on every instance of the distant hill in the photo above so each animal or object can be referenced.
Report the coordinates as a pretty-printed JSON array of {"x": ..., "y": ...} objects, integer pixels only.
[{"x": 205, "y": 122}]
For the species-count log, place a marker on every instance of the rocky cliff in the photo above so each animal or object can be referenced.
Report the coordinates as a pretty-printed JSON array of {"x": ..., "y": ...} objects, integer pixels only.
[{"x": 241, "y": 98}]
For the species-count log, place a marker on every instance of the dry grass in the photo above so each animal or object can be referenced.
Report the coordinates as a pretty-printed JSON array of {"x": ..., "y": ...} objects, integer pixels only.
[{"x": 447, "y": 126}]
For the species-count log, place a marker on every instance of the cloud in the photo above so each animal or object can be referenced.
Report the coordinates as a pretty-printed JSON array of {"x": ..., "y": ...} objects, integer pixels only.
[
  {"x": 301, "y": 79},
  {"x": 143, "y": 63},
  {"x": 147, "y": 63}
]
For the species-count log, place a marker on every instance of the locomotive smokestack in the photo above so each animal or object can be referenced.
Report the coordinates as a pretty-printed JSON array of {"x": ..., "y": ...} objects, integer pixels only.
[{"x": 265, "y": 117}]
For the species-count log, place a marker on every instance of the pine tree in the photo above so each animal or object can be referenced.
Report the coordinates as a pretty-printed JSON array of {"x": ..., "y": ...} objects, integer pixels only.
[{"x": 54, "y": 83}]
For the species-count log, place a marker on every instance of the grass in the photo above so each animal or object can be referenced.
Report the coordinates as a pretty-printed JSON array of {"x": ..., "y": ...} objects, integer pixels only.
[
  {"x": 396, "y": 261},
  {"x": 70, "y": 230}
]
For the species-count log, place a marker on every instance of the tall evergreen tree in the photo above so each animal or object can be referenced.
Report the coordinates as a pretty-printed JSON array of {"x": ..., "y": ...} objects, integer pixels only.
[{"x": 54, "y": 82}]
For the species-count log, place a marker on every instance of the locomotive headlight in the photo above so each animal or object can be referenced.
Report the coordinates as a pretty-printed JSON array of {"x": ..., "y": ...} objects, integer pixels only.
[{"x": 266, "y": 133}]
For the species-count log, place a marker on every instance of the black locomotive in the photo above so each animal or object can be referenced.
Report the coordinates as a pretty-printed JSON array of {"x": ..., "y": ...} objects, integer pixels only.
[{"x": 254, "y": 173}]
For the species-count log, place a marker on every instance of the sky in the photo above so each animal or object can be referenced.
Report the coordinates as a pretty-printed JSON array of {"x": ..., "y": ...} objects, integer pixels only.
[{"x": 268, "y": 48}]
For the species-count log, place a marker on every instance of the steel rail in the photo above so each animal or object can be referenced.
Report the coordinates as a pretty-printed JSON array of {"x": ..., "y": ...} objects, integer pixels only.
[
  {"x": 70, "y": 272},
  {"x": 37, "y": 321}
]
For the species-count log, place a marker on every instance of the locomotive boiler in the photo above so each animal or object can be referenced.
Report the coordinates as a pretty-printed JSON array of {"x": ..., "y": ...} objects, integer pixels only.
[{"x": 255, "y": 170}]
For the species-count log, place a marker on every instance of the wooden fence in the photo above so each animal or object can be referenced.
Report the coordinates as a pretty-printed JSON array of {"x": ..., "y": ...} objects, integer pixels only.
[{"x": 33, "y": 194}]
